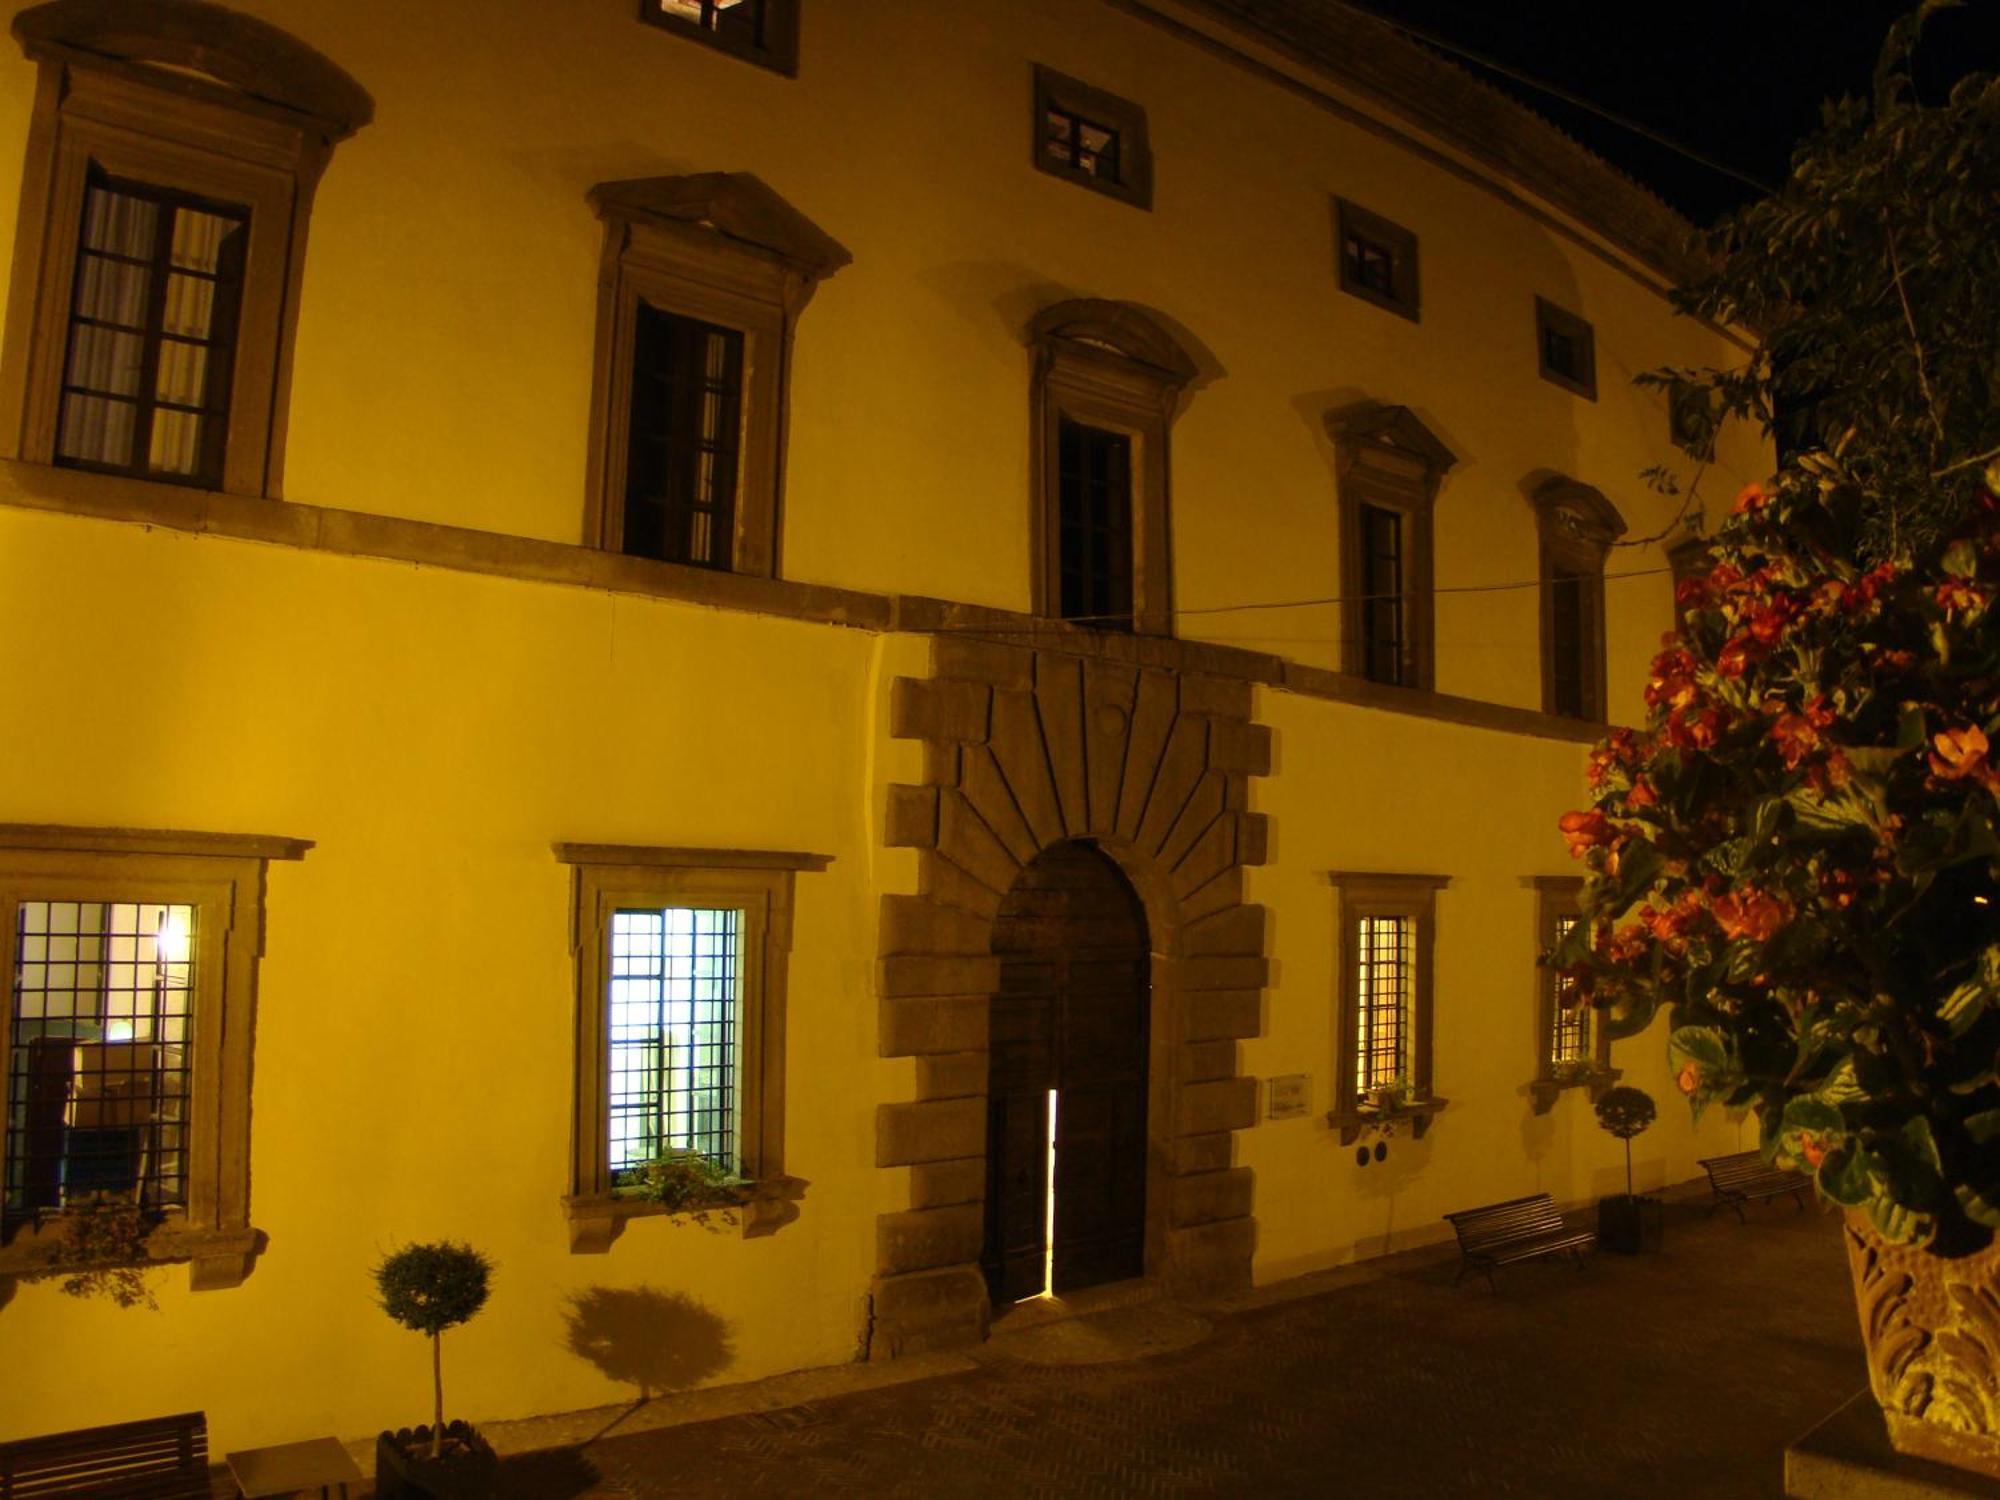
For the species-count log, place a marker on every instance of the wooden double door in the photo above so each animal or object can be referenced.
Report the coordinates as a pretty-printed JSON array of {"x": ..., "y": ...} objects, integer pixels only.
[{"x": 1066, "y": 1099}]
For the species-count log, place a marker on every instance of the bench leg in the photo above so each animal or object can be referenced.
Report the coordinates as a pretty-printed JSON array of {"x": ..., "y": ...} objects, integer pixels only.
[{"x": 1738, "y": 1206}]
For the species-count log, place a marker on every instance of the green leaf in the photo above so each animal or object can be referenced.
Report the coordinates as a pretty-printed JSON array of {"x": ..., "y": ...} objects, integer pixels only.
[
  {"x": 1910, "y": 729},
  {"x": 1982, "y": 1127},
  {"x": 1845, "y": 1177},
  {"x": 1960, "y": 560},
  {"x": 1701, "y": 1045},
  {"x": 1977, "y": 1208},
  {"x": 1961, "y": 1009},
  {"x": 1894, "y": 1222},
  {"x": 1807, "y": 1113}
]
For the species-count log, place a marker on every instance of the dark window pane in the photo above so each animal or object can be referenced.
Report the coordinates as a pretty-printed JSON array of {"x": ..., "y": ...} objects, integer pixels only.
[
  {"x": 1569, "y": 644},
  {"x": 1082, "y": 144},
  {"x": 1094, "y": 519},
  {"x": 683, "y": 440},
  {"x": 1559, "y": 354},
  {"x": 1384, "y": 640},
  {"x": 152, "y": 333},
  {"x": 1371, "y": 265}
]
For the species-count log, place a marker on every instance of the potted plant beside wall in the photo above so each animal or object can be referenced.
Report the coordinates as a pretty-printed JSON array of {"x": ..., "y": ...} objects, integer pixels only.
[
  {"x": 1624, "y": 1112},
  {"x": 429, "y": 1288}
]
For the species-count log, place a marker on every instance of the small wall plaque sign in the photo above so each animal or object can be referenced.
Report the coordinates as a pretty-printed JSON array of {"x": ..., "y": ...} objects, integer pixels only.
[{"x": 1286, "y": 1097}]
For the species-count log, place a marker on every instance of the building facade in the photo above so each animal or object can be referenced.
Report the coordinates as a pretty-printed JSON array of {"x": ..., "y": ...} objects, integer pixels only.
[{"x": 979, "y": 614}]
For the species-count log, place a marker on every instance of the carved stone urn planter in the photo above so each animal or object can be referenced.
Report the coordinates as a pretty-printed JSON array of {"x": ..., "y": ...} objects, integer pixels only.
[{"x": 1932, "y": 1329}]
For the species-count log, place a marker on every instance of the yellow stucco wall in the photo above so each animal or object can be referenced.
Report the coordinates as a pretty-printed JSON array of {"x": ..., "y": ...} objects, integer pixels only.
[{"x": 435, "y": 732}]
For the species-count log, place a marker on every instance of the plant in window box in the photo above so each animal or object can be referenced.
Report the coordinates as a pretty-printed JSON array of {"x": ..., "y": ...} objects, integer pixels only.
[
  {"x": 429, "y": 1288},
  {"x": 1624, "y": 1112},
  {"x": 687, "y": 1182},
  {"x": 102, "y": 1250}
]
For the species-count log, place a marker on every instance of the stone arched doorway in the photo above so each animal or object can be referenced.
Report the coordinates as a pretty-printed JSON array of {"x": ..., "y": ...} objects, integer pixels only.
[
  {"x": 1067, "y": 1072},
  {"x": 1026, "y": 748}
]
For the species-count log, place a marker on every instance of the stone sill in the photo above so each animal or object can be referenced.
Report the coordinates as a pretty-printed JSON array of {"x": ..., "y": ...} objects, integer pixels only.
[
  {"x": 1363, "y": 1117},
  {"x": 217, "y": 1258},
  {"x": 318, "y": 528},
  {"x": 1545, "y": 1091},
  {"x": 756, "y": 1208}
]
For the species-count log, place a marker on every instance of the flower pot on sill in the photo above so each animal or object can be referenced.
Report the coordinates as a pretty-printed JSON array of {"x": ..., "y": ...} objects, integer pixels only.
[
  {"x": 1622, "y": 1223},
  {"x": 1931, "y": 1326},
  {"x": 467, "y": 1469}
]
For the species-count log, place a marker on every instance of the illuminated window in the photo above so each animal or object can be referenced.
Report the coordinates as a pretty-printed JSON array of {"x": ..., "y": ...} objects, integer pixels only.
[
  {"x": 765, "y": 32},
  {"x": 706, "y": 278},
  {"x": 1568, "y": 349},
  {"x": 1577, "y": 527},
  {"x": 174, "y": 158},
  {"x": 1378, "y": 259},
  {"x": 1093, "y": 138},
  {"x": 1386, "y": 931},
  {"x": 131, "y": 961},
  {"x": 681, "y": 962},
  {"x": 1571, "y": 1046}
]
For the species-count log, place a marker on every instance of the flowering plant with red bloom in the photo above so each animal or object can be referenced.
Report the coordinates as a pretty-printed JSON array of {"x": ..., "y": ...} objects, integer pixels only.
[{"x": 1798, "y": 855}]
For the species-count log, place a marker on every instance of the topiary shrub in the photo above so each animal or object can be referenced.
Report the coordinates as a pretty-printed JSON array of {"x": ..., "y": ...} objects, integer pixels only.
[
  {"x": 1626, "y": 1112},
  {"x": 429, "y": 1288}
]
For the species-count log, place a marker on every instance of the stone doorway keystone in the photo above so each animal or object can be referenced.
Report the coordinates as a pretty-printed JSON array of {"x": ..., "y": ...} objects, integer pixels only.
[{"x": 1110, "y": 741}]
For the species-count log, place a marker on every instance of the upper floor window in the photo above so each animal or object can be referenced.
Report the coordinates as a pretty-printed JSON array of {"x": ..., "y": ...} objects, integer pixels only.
[
  {"x": 1378, "y": 259},
  {"x": 1577, "y": 527},
  {"x": 1107, "y": 384},
  {"x": 1092, "y": 137},
  {"x": 765, "y": 32},
  {"x": 682, "y": 957},
  {"x": 1390, "y": 466},
  {"x": 131, "y": 960},
  {"x": 1567, "y": 348},
  {"x": 704, "y": 280},
  {"x": 151, "y": 333},
  {"x": 1387, "y": 940},
  {"x": 1691, "y": 419}
]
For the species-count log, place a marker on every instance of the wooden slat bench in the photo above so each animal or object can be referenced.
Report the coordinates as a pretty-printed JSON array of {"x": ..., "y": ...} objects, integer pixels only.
[
  {"x": 163, "y": 1458},
  {"x": 1745, "y": 1175},
  {"x": 1520, "y": 1229}
]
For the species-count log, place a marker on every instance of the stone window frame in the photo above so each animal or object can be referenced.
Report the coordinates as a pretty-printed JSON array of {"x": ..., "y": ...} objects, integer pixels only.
[
  {"x": 1576, "y": 527},
  {"x": 724, "y": 248},
  {"x": 1386, "y": 456},
  {"x": 1404, "y": 296},
  {"x": 188, "y": 97},
  {"x": 780, "y": 52},
  {"x": 1059, "y": 91},
  {"x": 756, "y": 882},
  {"x": 1558, "y": 896},
  {"x": 1107, "y": 365},
  {"x": 1549, "y": 318},
  {"x": 222, "y": 875},
  {"x": 1360, "y": 894},
  {"x": 1684, "y": 557}
]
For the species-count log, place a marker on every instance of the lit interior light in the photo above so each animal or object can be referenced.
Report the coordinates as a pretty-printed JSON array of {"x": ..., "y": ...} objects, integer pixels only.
[
  {"x": 170, "y": 943},
  {"x": 1049, "y": 1209},
  {"x": 1981, "y": 901}
]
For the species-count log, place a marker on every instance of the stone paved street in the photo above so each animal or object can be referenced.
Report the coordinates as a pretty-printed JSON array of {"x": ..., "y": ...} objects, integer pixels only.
[{"x": 1682, "y": 1373}]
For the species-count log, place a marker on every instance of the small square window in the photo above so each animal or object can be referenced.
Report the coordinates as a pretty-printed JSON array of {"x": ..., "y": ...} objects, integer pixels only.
[
  {"x": 1378, "y": 259},
  {"x": 1691, "y": 419},
  {"x": 1568, "y": 349},
  {"x": 1092, "y": 138},
  {"x": 764, "y": 32}
]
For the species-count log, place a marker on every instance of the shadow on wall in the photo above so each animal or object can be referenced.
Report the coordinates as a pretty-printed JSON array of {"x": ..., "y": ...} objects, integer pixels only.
[{"x": 658, "y": 1341}]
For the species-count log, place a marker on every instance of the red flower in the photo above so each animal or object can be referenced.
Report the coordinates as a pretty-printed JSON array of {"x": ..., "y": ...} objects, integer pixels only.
[
  {"x": 1819, "y": 713},
  {"x": 1769, "y": 624},
  {"x": 1672, "y": 681},
  {"x": 1688, "y": 1079},
  {"x": 1960, "y": 754},
  {"x": 1642, "y": 794},
  {"x": 1628, "y": 943},
  {"x": 1955, "y": 596},
  {"x": 1585, "y": 830},
  {"x": 1752, "y": 497},
  {"x": 1736, "y": 657},
  {"x": 1751, "y": 913},
  {"x": 1838, "y": 888},
  {"x": 1812, "y": 1146},
  {"x": 1698, "y": 733},
  {"x": 1795, "y": 738}
]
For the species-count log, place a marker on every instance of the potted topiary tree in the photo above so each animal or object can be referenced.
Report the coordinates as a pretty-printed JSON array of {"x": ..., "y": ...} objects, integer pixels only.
[
  {"x": 429, "y": 1288},
  {"x": 1624, "y": 1112}
]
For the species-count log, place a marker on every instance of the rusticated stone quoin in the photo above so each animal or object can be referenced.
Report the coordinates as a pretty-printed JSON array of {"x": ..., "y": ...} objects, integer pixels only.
[{"x": 1026, "y": 747}]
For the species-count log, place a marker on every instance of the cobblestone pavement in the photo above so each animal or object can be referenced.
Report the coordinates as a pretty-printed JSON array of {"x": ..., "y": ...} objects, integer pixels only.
[{"x": 1681, "y": 1373}]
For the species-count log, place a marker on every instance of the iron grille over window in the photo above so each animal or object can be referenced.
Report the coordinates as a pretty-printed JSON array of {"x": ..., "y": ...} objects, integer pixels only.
[
  {"x": 1383, "y": 635},
  {"x": 1569, "y": 1033},
  {"x": 672, "y": 1011},
  {"x": 687, "y": 400},
  {"x": 1094, "y": 469},
  {"x": 1387, "y": 960},
  {"x": 152, "y": 332},
  {"x": 100, "y": 1074}
]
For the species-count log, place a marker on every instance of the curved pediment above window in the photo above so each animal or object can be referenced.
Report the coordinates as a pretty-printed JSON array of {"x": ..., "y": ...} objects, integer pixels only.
[
  {"x": 205, "y": 45},
  {"x": 1572, "y": 510},
  {"x": 1117, "y": 329},
  {"x": 735, "y": 205}
]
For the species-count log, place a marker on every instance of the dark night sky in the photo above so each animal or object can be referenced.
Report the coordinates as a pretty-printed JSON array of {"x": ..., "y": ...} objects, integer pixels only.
[{"x": 1736, "y": 80}]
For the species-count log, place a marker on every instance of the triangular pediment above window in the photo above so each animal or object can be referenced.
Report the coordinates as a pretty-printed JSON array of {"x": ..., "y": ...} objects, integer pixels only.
[
  {"x": 1396, "y": 429},
  {"x": 735, "y": 205}
]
